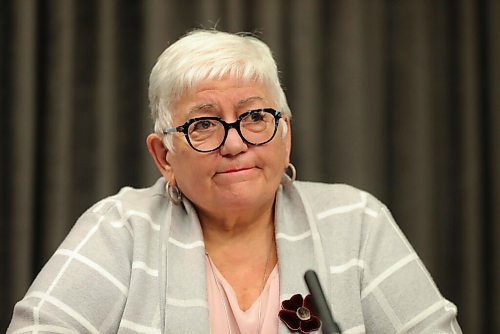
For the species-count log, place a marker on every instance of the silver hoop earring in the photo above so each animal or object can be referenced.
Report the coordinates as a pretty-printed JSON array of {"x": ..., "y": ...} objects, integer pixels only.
[
  {"x": 289, "y": 179},
  {"x": 173, "y": 193}
]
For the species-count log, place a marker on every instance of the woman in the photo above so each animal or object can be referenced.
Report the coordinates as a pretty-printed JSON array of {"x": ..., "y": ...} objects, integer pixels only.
[{"x": 221, "y": 242}]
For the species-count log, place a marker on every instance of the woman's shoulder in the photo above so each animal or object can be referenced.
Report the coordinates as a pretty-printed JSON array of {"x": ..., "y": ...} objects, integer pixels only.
[
  {"x": 322, "y": 187},
  {"x": 336, "y": 194},
  {"x": 331, "y": 200},
  {"x": 132, "y": 200},
  {"x": 130, "y": 209}
]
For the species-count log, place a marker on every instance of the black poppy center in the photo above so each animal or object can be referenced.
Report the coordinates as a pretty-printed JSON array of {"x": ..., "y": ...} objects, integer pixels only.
[{"x": 303, "y": 313}]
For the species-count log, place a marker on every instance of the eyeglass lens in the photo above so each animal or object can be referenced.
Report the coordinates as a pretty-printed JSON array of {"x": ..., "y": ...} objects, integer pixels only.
[{"x": 256, "y": 128}]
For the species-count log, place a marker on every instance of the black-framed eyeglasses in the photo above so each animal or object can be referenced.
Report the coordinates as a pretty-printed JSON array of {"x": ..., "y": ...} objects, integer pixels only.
[{"x": 207, "y": 134}]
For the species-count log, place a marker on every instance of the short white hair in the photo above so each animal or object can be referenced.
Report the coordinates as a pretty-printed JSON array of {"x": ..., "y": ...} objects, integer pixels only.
[{"x": 209, "y": 55}]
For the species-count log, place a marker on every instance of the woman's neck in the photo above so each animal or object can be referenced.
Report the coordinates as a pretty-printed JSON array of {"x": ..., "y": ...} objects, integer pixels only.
[
  {"x": 243, "y": 250},
  {"x": 241, "y": 231}
]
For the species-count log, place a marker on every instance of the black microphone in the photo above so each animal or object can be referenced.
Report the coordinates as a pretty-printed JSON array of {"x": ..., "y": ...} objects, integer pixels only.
[{"x": 328, "y": 325}]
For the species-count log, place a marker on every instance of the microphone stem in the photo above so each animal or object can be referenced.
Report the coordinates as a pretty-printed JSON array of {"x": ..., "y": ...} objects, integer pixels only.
[{"x": 328, "y": 325}]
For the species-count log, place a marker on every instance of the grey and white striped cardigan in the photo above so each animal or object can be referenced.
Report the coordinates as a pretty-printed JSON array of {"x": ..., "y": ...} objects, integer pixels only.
[{"x": 134, "y": 263}]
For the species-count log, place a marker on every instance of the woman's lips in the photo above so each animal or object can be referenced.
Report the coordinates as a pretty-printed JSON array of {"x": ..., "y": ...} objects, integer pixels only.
[
  {"x": 236, "y": 174},
  {"x": 235, "y": 170}
]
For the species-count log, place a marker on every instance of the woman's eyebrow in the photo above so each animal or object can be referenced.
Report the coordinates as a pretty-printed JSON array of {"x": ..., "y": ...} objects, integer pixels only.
[
  {"x": 200, "y": 107},
  {"x": 249, "y": 99}
]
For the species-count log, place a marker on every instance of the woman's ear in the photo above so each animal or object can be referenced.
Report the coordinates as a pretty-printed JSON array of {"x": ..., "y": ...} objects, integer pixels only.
[
  {"x": 159, "y": 152},
  {"x": 288, "y": 138}
]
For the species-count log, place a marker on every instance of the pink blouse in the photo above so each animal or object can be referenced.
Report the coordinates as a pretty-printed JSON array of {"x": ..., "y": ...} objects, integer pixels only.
[{"x": 245, "y": 322}]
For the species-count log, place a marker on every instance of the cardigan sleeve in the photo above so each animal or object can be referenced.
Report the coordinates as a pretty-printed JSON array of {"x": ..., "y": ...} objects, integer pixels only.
[
  {"x": 397, "y": 292},
  {"x": 83, "y": 287}
]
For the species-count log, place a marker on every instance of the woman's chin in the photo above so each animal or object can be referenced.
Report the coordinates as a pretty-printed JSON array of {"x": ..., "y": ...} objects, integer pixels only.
[{"x": 241, "y": 196}]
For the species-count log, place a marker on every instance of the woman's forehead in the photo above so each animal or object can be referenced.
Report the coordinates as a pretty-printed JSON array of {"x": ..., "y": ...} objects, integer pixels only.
[
  {"x": 211, "y": 93},
  {"x": 227, "y": 83}
]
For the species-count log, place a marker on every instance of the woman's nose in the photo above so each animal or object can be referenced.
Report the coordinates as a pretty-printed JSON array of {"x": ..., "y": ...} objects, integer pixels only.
[{"x": 234, "y": 144}]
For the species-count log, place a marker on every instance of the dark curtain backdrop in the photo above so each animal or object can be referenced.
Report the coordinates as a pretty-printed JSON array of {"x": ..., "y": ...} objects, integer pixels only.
[{"x": 400, "y": 98}]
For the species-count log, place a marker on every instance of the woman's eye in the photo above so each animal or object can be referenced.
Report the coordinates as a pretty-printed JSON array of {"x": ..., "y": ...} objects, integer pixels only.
[
  {"x": 203, "y": 125},
  {"x": 256, "y": 117}
]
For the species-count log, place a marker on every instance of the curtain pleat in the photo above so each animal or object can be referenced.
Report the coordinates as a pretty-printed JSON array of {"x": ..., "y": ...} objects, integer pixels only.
[
  {"x": 491, "y": 140},
  {"x": 56, "y": 124},
  {"x": 21, "y": 161},
  {"x": 110, "y": 122},
  {"x": 469, "y": 87},
  {"x": 399, "y": 98},
  {"x": 304, "y": 90}
]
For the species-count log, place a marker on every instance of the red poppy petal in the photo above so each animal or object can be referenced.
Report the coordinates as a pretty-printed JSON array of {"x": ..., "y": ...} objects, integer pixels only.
[
  {"x": 293, "y": 303},
  {"x": 311, "y": 325},
  {"x": 290, "y": 319},
  {"x": 308, "y": 302}
]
